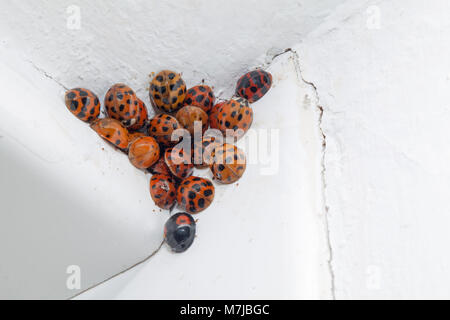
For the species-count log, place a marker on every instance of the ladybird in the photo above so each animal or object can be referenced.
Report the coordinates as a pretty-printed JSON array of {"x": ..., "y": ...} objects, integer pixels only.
[
  {"x": 203, "y": 151},
  {"x": 189, "y": 115},
  {"x": 161, "y": 167},
  {"x": 134, "y": 135},
  {"x": 179, "y": 162},
  {"x": 201, "y": 96},
  {"x": 228, "y": 163},
  {"x": 111, "y": 130},
  {"x": 167, "y": 91},
  {"x": 122, "y": 104},
  {"x": 179, "y": 231},
  {"x": 83, "y": 103},
  {"x": 253, "y": 85},
  {"x": 235, "y": 117},
  {"x": 163, "y": 190},
  {"x": 195, "y": 194},
  {"x": 142, "y": 116},
  {"x": 143, "y": 152},
  {"x": 213, "y": 122},
  {"x": 161, "y": 128}
]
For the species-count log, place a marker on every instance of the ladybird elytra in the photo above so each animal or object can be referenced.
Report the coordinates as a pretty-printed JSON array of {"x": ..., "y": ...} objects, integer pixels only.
[
  {"x": 83, "y": 103},
  {"x": 179, "y": 162},
  {"x": 143, "y": 152},
  {"x": 192, "y": 118},
  {"x": 179, "y": 231},
  {"x": 229, "y": 163},
  {"x": 163, "y": 190},
  {"x": 195, "y": 194},
  {"x": 201, "y": 96},
  {"x": 235, "y": 117},
  {"x": 161, "y": 128},
  {"x": 254, "y": 85},
  {"x": 111, "y": 130},
  {"x": 167, "y": 91},
  {"x": 121, "y": 103}
]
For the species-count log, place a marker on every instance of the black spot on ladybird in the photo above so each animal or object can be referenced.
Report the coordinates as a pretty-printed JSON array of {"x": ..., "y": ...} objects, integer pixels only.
[
  {"x": 191, "y": 195},
  {"x": 74, "y": 105}
]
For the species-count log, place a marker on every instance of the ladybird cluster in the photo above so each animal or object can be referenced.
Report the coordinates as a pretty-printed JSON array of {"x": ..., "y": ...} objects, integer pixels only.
[{"x": 151, "y": 146}]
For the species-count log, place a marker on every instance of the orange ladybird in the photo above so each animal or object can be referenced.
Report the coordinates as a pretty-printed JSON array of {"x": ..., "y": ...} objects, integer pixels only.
[
  {"x": 235, "y": 117},
  {"x": 143, "y": 152},
  {"x": 83, "y": 103},
  {"x": 201, "y": 96},
  {"x": 179, "y": 162},
  {"x": 122, "y": 104},
  {"x": 189, "y": 115},
  {"x": 160, "y": 166},
  {"x": 195, "y": 194},
  {"x": 203, "y": 151},
  {"x": 142, "y": 116},
  {"x": 213, "y": 122},
  {"x": 161, "y": 127},
  {"x": 228, "y": 163},
  {"x": 167, "y": 91},
  {"x": 111, "y": 130},
  {"x": 163, "y": 190}
]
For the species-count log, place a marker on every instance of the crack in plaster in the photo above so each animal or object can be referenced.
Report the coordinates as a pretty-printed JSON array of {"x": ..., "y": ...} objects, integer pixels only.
[
  {"x": 121, "y": 272},
  {"x": 47, "y": 75},
  {"x": 320, "y": 109}
]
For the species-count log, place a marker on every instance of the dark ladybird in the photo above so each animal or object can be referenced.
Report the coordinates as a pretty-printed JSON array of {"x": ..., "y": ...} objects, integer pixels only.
[
  {"x": 161, "y": 127},
  {"x": 179, "y": 162},
  {"x": 111, "y": 130},
  {"x": 163, "y": 190},
  {"x": 179, "y": 231},
  {"x": 167, "y": 91},
  {"x": 143, "y": 152},
  {"x": 195, "y": 194},
  {"x": 189, "y": 115},
  {"x": 83, "y": 103},
  {"x": 253, "y": 85},
  {"x": 235, "y": 117},
  {"x": 122, "y": 104},
  {"x": 201, "y": 96},
  {"x": 228, "y": 163}
]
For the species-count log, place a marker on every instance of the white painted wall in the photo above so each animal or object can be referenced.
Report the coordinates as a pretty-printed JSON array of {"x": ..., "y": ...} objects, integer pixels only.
[
  {"x": 123, "y": 41},
  {"x": 382, "y": 71}
]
